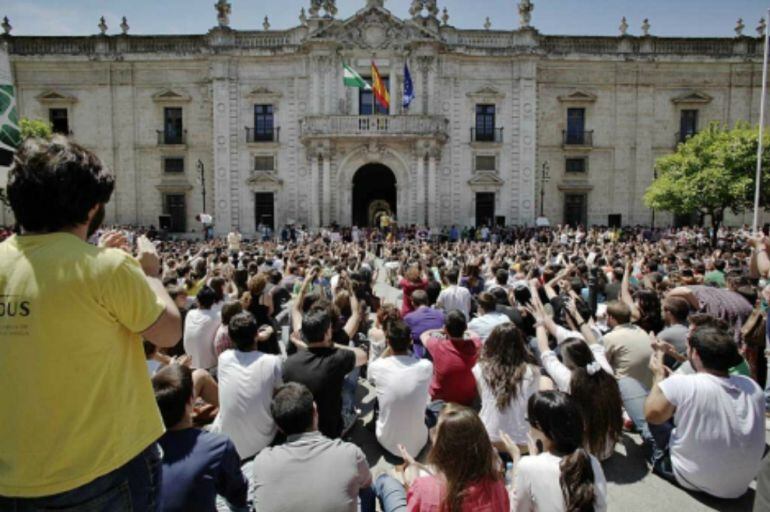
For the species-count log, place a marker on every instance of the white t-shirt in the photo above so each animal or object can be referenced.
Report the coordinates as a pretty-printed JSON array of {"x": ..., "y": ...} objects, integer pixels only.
[
  {"x": 511, "y": 420},
  {"x": 719, "y": 438},
  {"x": 200, "y": 327},
  {"x": 246, "y": 384},
  {"x": 483, "y": 325},
  {"x": 234, "y": 241},
  {"x": 455, "y": 297},
  {"x": 402, "y": 385},
  {"x": 537, "y": 487}
]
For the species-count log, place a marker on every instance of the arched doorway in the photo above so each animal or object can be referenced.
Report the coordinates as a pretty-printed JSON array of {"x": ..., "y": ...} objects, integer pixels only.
[{"x": 374, "y": 193}]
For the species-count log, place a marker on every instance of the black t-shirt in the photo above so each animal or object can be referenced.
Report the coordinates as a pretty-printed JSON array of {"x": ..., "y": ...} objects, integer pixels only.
[{"x": 323, "y": 371}]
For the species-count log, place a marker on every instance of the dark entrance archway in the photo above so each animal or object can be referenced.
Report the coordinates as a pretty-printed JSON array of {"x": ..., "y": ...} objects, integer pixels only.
[{"x": 374, "y": 193}]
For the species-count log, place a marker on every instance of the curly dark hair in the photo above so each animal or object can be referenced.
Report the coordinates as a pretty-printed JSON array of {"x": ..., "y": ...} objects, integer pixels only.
[
  {"x": 504, "y": 361},
  {"x": 55, "y": 183}
]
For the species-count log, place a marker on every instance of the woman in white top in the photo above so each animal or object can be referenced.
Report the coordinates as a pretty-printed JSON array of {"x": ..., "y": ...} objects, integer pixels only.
[
  {"x": 506, "y": 376},
  {"x": 586, "y": 375},
  {"x": 559, "y": 475}
]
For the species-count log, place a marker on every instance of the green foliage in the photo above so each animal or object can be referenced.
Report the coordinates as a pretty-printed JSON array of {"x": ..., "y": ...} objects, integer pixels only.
[
  {"x": 35, "y": 128},
  {"x": 710, "y": 173}
]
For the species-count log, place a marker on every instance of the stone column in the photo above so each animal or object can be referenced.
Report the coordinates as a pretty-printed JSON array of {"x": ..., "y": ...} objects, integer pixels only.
[
  {"x": 223, "y": 161},
  {"x": 326, "y": 197},
  {"x": 431, "y": 199},
  {"x": 315, "y": 182},
  {"x": 421, "y": 203},
  {"x": 393, "y": 86}
]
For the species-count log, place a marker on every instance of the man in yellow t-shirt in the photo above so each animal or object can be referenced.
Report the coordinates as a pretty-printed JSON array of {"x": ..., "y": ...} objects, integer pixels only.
[{"x": 80, "y": 420}]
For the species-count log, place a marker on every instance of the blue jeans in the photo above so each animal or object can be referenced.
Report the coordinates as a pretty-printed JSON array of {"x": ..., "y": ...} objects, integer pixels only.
[
  {"x": 132, "y": 487},
  {"x": 633, "y": 395},
  {"x": 349, "y": 386},
  {"x": 767, "y": 382},
  {"x": 391, "y": 494}
]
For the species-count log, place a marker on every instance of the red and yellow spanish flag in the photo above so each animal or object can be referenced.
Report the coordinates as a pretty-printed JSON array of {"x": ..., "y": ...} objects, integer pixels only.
[{"x": 378, "y": 87}]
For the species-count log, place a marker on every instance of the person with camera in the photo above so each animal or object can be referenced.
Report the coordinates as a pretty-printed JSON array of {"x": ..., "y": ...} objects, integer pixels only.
[{"x": 85, "y": 424}]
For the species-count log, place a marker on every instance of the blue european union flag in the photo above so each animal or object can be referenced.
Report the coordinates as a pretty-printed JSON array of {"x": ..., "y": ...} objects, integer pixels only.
[{"x": 408, "y": 87}]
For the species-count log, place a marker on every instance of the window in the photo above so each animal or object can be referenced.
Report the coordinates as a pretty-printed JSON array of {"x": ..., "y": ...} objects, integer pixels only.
[
  {"x": 59, "y": 120},
  {"x": 367, "y": 105},
  {"x": 576, "y": 121},
  {"x": 264, "y": 163},
  {"x": 575, "y": 165},
  {"x": 172, "y": 125},
  {"x": 263, "y": 123},
  {"x": 173, "y": 164},
  {"x": 485, "y": 123},
  {"x": 688, "y": 124},
  {"x": 175, "y": 206},
  {"x": 486, "y": 163}
]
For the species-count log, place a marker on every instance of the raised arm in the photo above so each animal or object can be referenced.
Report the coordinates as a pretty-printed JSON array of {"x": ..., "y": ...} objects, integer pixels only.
[{"x": 625, "y": 291}]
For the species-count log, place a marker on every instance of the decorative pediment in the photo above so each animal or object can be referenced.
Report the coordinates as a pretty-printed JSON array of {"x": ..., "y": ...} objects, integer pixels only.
[
  {"x": 486, "y": 94},
  {"x": 374, "y": 28},
  {"x": 692, "y": 97},
  {"x": 485, "y": 182},
  {"x": 55, "y": 97},
  {"x": 263, "y": 180},
  {"x": 174, "y": 185},
  {"x": 170, "y": 96},
  {"x": 262, "y": 93},
  {"x": 578, "y": 97},
  {"x": 575, "y": 186}
]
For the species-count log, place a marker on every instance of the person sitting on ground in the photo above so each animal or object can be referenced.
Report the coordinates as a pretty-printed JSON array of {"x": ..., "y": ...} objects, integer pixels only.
[
  {"x": 401, "y": 383},
  {"x": 423, "y": 318},
  {"x": 560, "y": 475},
  {"x": 454, "y": 296},
  {"x": 487, "y": 316},
  {"x": 717, "y": 438},
  {"x": 200, "y": 328},
  {"x": 675, "y": 313},
  {"x": 247, "y": 378},
  {"x": 222, "y": 339},
  {"x": 506, "y": 376},
  {"x": 332, "y": 473},
  {"x": 197, "y": 465},
  {"x": 412, "y": 280},
  {"x": 463, "y": 471},
  {"x": 454, "y": 353},
  {"x": 377, "y": 333},
  {"x": 627, "y": 346},
  {"x": 322, "y": 367}
]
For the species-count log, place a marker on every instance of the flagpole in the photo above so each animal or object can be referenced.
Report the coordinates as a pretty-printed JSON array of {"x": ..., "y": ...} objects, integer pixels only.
[{"x": 758, "y": 178}]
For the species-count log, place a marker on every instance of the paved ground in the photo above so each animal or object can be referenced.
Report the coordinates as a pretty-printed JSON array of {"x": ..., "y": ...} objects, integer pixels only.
[{"x": 632, "y": 487}]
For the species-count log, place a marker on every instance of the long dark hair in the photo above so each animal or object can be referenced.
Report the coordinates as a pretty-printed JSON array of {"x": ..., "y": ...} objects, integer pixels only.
[
  {"x": 558, "y": 416},
  {"x": 651, "y": 318},
  {"x": 504, "y": 361},
  {"x": 463, "y": 453},
  {"x": 598, "y": 395}
]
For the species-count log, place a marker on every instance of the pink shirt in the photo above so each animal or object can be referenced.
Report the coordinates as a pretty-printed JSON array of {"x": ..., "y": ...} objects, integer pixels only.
[
  {"x": 408, "y": 287},
  {"x": 427, "y": 492}
]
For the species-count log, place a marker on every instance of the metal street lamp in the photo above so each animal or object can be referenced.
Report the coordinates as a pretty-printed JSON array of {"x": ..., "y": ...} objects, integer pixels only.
[
  {"x": 202, "y": 180},
  {"x": 545, "y": 178}
]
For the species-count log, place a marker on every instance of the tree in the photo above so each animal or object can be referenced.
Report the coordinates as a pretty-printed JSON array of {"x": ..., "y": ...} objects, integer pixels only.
[
  {"x": 29, "y": 128},
  {"x": 710, "y": 173}
]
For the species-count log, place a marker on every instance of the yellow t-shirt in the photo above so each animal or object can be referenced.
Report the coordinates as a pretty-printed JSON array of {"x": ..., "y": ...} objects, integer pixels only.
[{"x": 76, "y": 398}]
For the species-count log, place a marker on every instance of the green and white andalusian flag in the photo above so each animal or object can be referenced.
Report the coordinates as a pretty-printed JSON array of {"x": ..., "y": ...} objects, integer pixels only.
[
  {"x": 352, "y": 79},
  {"x": 10, "y": 135}
]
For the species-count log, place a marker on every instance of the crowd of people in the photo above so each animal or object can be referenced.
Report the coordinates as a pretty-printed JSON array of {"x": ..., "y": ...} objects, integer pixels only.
[{"x": 225, "y": 373}]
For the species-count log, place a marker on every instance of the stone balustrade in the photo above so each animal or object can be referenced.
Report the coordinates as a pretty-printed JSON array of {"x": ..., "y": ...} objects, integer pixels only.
[{"x": 368, "y": 126}]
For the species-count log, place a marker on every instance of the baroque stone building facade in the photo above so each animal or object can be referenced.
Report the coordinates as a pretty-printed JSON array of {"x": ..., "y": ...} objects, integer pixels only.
[{"x": 260, "y": 126}]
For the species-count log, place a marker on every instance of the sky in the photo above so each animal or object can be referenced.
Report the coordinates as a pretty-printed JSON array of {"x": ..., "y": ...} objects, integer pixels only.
[{"x": 705, "y": 18}]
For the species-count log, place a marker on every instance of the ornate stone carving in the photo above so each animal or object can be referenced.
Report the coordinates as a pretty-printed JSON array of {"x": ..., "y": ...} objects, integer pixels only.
[
  {"x": 7, "y": 27},
  {"x": 525, "y": 13},
  {"x": 416, "y": 8},
  {"x": 330, "y": 6},
  {"x": 224, "y": 9},
  {"x": 487, "y": 24},
  {"x": 102, "y": 26},
  {"x": 302, "y": 17},
  {"x": 646, "y": 27},
  {"x": 124, "y": 26},
  {"x": 623, "y": 27},
  {"x": 739, "y": 26},
  {"x": 432, "y": 8},
  {"x": 761, "y": 27},
  {"x": 266, "y": 23},
  {"x": 375, "y": 3},
  {"x": 315, "y": 8},
  {"x": 445, "y": 17}
]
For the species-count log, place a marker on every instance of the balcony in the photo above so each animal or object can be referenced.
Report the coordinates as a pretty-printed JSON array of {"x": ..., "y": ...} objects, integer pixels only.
[
  {"x": 577, "y": 139},
  {"x": 257, "y": 137},
  {"x": 399, "y": 126},
  {"x": 494, "y": 136},
  {"x": 171, "y": 138}
]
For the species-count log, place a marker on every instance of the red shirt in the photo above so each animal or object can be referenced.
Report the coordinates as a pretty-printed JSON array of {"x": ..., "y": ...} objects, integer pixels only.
[
  {"x": 453, "y": 361},
  {"x": 408, "y": 287},
  {"x": 427, "y": 492}
]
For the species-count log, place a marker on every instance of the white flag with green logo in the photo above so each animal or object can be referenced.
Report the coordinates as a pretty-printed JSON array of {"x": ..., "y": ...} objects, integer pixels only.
[
  {"x": 351, "y": 78},
  {"x": 10, "y": 134}
]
